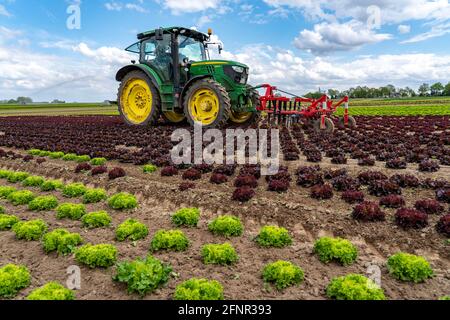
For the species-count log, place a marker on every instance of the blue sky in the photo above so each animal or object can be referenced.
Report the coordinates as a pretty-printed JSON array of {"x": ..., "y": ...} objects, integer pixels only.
[{"x": 299, "y": 45}]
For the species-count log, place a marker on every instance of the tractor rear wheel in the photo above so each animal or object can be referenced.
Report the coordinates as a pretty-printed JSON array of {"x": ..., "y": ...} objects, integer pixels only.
[
  {"x": 329, "y": 126},
  {"x": 207, "y": 102},
  {"x": 138, "y": 100},
  {"x": 351, "y": 122}
]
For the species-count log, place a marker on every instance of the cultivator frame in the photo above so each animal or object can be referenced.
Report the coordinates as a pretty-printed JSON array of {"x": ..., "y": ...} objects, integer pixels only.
[{"x": 285, "y": 110}]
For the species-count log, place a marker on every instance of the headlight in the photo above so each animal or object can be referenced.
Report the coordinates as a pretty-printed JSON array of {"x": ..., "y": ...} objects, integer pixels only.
[{"x": 238, "y": 69}]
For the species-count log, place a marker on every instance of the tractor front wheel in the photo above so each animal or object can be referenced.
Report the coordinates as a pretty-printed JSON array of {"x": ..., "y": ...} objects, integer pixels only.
[
  {"x": 328, "y": 128},
  {"x": 207, "y": 102},
  {"x": 138, "y": 100},
  {"x": 244, "y": 118}
]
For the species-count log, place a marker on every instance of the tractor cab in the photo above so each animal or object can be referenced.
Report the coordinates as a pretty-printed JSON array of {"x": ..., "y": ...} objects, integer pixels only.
[{"x": 182, "y": 82}]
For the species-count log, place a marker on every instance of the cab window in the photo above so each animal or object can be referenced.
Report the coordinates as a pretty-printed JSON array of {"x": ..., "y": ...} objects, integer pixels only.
[{"x": 191, "y": 49}]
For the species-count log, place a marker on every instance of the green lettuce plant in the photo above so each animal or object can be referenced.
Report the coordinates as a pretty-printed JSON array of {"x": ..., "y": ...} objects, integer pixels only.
[
  {"x": 30, "y": 230},
  {"x": 283, "y": 274},
  {"x": 97, "y": 219},
  {"x": 409, "y": 267},
  {"x": 273, "y": 236},
  {"x": 354, "y": 287},
  {"x": 71, "y": 210},
  {"x": 169, "y": 240},
  {"x": 227, "y": 225},
  {"x": 199, "y": 289},
  {"x": 131, "y": 229},
  {"x": 337, "y": 249},
  {"x": 52, "y": 291},
  {"x": 187, "y": 217},
  {"x": 143, "y": 276},
  {"x": 13, "y": 278},
  {"x": 100, "y": 255},
  {"x": 223, "y": 254},
  {"x": 61, "y": 241}
]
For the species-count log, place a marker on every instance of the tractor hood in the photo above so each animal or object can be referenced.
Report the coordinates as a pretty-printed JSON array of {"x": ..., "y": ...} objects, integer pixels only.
[{"x": 219, "y": 62}]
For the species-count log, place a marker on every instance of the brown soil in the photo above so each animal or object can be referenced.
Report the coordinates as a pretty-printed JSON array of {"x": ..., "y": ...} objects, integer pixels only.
[{"x": 305, "y": 218}]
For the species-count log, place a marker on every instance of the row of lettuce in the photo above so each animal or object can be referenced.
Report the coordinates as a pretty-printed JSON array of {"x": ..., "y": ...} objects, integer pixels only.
[{"x": 144, "y": 276}]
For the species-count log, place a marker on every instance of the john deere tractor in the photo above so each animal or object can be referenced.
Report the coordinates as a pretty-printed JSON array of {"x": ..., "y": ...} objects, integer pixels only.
[{"x": 176, "y": 79}]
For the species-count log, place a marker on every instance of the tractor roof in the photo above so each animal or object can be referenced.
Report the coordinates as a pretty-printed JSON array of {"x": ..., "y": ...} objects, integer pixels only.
[{"x": 180, "y": 30}]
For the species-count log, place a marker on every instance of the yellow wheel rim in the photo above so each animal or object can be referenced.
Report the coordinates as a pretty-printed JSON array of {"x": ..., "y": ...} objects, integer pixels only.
[
  {"x": 204, "y": 106},
  {"x": 174, "y": 117},
  {"x": 136, "y": 101},
  {"x": 240, "y": 117}
]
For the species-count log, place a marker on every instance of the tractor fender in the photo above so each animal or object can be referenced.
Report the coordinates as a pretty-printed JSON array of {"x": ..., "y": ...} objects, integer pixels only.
[
  {"x": 153, "y": 76},
  {"x": 189, "y": 83}
]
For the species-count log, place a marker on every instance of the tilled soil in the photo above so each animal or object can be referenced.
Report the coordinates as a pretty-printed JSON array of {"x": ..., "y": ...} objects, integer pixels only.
[{"x": 306, "y": 219}]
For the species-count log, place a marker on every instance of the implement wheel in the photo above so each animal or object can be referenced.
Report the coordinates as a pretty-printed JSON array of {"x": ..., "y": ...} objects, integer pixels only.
[
  {"x": 351, "y": 122},
  {"x": 207, "y": 102},
  {"x": 329, "y": 126},
  {"x": 138, "y": 100}
]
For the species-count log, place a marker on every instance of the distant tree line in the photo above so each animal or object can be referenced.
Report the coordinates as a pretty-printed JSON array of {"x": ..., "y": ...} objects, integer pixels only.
[
  {"x": 25, "y": 100},
  {"x": 389, "y": 91}
]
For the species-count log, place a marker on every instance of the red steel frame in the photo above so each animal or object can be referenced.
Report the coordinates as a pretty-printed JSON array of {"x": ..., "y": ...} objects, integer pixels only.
[{"x": 323, "y": 107}]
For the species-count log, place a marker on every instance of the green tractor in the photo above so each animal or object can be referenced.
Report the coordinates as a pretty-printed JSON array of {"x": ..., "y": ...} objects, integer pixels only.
[{"x": 176, "y": 79}]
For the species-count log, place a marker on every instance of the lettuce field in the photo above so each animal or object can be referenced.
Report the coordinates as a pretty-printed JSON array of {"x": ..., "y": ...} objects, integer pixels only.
[{"x": 363, "y": 213}]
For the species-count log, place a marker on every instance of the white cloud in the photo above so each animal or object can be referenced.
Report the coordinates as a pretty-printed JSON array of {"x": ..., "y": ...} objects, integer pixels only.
[
  {"x": 391, "y": 12},
  {"x": 136, "y": 7},
  {"x": 7, "y": 34},
  {"x": 329, "y": 37},
  {"x": 437, "y": 30},
  {"x": 404, "y": 28},
  {"x": 118, "y": 6},
  {"x": 183, "y": 6},
  {"x": 204, "y": 19},
  {"x": 4, "y": 11},
  {"x": 88, "y": 77},
  {"x": 110, "y": 55},
  {"x": 113, "y": 6}
]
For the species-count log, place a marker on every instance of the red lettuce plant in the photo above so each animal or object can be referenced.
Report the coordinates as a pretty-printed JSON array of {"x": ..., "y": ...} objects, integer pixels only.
[
  {"x": 192, "y": 174},
  {"x": 278, "y": 185},
  {"x": 410, "y": 218},
  {"x": 246, "y": 181},
  {"x": 243, "y": 194},
  {"x": 443, "y": 225},
  {"x": 116, "y": 173},
  {"x": 186, "y": 186},
  {"x": 322, "y": 191},
  {"x": 218, "y": 178},
  {"x": 429, "y": 206},
  {"x": 82, "y": 167},
  {"x": 392, "y": 201},
  {"x": 352, "y": 196},
  {"x": 99, "y": 170},
  {"x": 368, "y": 211},
  {"x": 169, "y": 171}
]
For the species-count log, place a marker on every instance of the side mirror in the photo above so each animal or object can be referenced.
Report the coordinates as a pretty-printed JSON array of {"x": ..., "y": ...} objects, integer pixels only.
[
  {"x": 220, "y": 49},
  {"x": 186, "y": 61}
]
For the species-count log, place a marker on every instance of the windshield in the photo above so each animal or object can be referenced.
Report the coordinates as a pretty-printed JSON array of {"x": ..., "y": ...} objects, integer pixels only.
[{"x": 191, "y": 49}]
